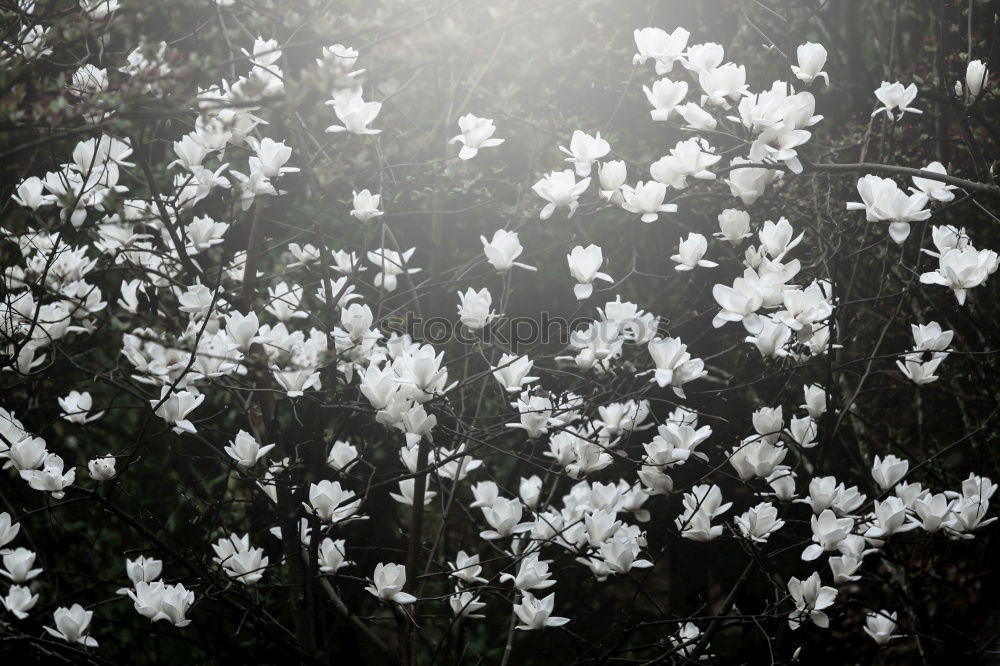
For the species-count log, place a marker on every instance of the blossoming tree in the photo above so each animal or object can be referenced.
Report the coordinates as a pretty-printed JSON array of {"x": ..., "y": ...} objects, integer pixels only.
[{"x": 293, "y": 369}]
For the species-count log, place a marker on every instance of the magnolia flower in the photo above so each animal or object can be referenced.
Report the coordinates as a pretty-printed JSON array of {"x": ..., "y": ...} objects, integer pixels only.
[
  {"x": 366, "y": 205},
  {"x": 72, "y": 624},
  {"x": 242, "y": 329},
  {"x": 815, "y": 397},
  {"x": 19, "y": 601},
  {"x": 674, "y": 365},
  {"x": 734, "y": 225},
  {"x": 961, "y": 270},
  {"x": 739, "y": 302},
  {"x": 584, "y": 266},
  {"x": 934, "y": 511},
  {"x": 665, "y": 95},
  {"x": 270, "y": 157},
  {"x": 976, "y": 76},
  {"x": 881, "y": 626},
  {"x": 883, "y": 201},
  {"x": 76, "y": 408},
  {"x": 811, "y": 57},
  {"x": 918, "y": 369},
  {"x": 703, "y": 57},
  {"x": 723, "y": 84},
  {"x": 392, "y": 264},
  {"x": 560, "y": 188},
  {"x": 159, "y": 601},
  {"x": 332, "y": 556},
  {"x": 406, "y": 490},
  {"x": 934, "y": 189},
  {"x": 504, "y": 517},
  {"x": 173, "y": 407},
  {"x": 664, "y": 48},
  {"x": 889, "y": 471},
  {"x": 387, "y": 583},
  {"x": 245, "y": 450},
  {"x": 696, "y": 117},
  {"x": 474, "y": 308},
  {"x": 141, "y": 569},
  {"x": 465, "y": 604},
  {"x": 827, "y": 531},
  {"x": 512, "y": 372},
  {"x": 332, "y": 503},
  {"x": 354, "y": 112},
  {"x": 749, "y": 183},
  {"x": 612, "y": 175},
  {"x": 476, "y": 133},
  {"x": 502, "y": 251},
  {"x": 17, "y": 565},
  {"x": 891, "y": 517},
  {"x": 466, "y": 568},
  {"x": 810, "y": 599},
  {"x": 8, "y": 530},
  {"x": 102, "y": 469},
  {"x": 690, "y": 253},
  {"x": 531, "y": 575},
  {"x": 895, "y": 96},
  {"x": 342, "y": 455},
  {"x": 759, "y": 522},
  {"x": 537, "y": 613},
  {"x": 584, "y": 150},
  {"x": 50, "y": 478},
  {"x": 647, "y": 198}
]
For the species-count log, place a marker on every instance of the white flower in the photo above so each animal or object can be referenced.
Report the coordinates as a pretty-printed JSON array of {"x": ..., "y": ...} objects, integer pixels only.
[
  {"x": 961, "y": 270},
  {"x": 366, "y": 205},
  {"x": 8, "y": 530},
  {"x": 76, "y": 408},
  {"x": 466, "y": 568},
  {"x": 723, "y": 84},
  {"x": 584, "y": 150},
  {"x": 245, "y": 450},
  {"x": 881, "y": 626},
  {"x": 332, "y": 555},
  {"x": 934, "y": 189},
  {"x": 465, "y": 604},
  {"x": 531, "y": 575},
  {"x": 19, "y": 601},
  {"x": 474, "y": 308},
  {"x": 476, "y": 133},
  {"x": 50, "y": 478},
  {"x": 560, "y": 188},
  {"x": 759, "y": 522},
  {"x": 734, "y": 225},
  {"x": 502, "y": 251},
  {"x": 270, "y": 157},
  {"x": 612, "y": 175},
  {"x": 342, "y": 455},
  {"x": 696, "y": 117},
  {"x": 406, "y": 490},
  {"x": 976, "y": 76},
  {"x": 354, "y": 112},
  {"x": 674, "y": 365},
  {"x": 889, "y": 471},
  {"x": 647, "y": 198},
  {"x": 895, "y": 96},
  {"x": 664, "y": 48},
  {"x": 102, "y": 469},
  {"x": 504, "y": 517},
  {"x": 17, "y": 565},
  {"x": 584, "y": 266},
  {"x": 392, "y": 264},
  {"x": 664, "y": 96},
  {"x": 387, "y": 583},
  {"x": 827, "y": 532},
  {"x": 332, "y": 503},
  {"x": 72, "y": 625},
  {"x": 811, "y": 599},
  {"x": 176, "y": 406},
  {"x": 811, "y": 57},
  {"x": 703, "y": 57},
  {"x": 537, "y": 613},
  {"x": 512, "y": 372},
  {"x": 690, "y": 253}
]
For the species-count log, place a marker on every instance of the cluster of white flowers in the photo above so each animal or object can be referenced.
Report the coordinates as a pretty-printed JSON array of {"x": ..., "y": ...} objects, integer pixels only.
[{"x": 302, "y": 342}]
